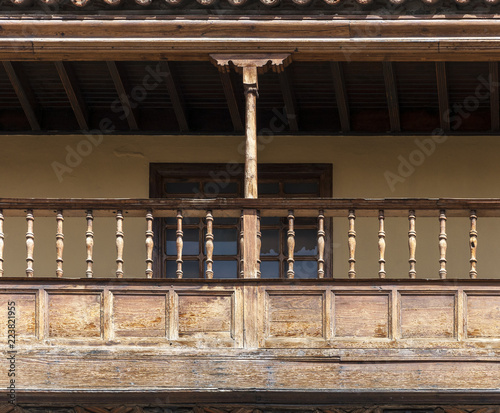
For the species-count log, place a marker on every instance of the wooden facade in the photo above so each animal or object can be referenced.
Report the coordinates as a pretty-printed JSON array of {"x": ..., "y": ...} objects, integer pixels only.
[{"x": 248, "y": 343}]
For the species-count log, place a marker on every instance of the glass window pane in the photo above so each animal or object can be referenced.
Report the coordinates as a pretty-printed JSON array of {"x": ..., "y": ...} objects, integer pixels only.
[
  {"x": 190, "y": 239},
  {"x": 225, "y": 241},
  {"x": 306, "y": 221},
  {"x": 306, "y": 242},
  {"x": 301, "y": 188},
  {"x": 213, "y": 189},
  {"x": 224, "y": 269},
  {"x": 270, "y": 269},
  {"x": 268, "y": 188},
  {"x": 306, "y": 269},
  {"x": 270, "y": 242},
  {"x": 182, "y": 188},
  {"x": 190, "y": 269}
]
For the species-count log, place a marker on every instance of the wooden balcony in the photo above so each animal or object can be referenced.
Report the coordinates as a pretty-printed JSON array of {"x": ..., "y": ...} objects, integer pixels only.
[{"x": 250, "y": 339}]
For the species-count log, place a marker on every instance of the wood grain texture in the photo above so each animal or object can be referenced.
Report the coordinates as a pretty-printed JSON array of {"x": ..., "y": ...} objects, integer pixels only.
[
  {"x": 483, "y": 316},
  {"x": 295, "y": 315},
  {"x": 364, "y": 316},
  {"x": 427, "y": 316},
  {"x": 139, "y": 315},
  {"x": 74, "y": 315},
  {"x": 205, "y": 314},
  {"x": 25, "y": 314}
]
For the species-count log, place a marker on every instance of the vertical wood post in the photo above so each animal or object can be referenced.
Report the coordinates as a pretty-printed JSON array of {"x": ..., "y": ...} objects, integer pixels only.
[
  {"x": 250, "y": 217},
  {"x": 149, "y": 243},
  {"x": 179, "y": 243},
  {"x": 119, "y": 244},
  {"x": 30, "y": 243},
  {"x": 473, "y": 244},
  {"x": 381, "y": 244},
  {"x": 209, "y": 245},
  {"x": 251, "y": 91},
  {"x": 351, "y": 242},
  {"x": 89, "y": 243},
  {"x": 321, "y": 244},
  {"x": 442, "y": 244},
  {"x": 412, "y": 244},
  {"x": 59, "y": 243}
]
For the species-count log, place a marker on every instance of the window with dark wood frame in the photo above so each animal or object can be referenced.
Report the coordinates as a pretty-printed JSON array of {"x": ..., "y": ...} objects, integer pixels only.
[{"x": 226, "y": 181}]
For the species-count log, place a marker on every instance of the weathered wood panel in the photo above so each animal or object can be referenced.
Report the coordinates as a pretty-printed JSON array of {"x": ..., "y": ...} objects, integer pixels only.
[
  {"x": 483, "y": 316},
  {"x": 205, "y": 314},
  {"x": 295, "y": 315},
  {"x": 74, "y": 315},
  {"x": 139, "y": 315},
  {"x": 427, "y": 316},
  {"x": 364, "y": 316},
  {"x": 25, "y": 314}
]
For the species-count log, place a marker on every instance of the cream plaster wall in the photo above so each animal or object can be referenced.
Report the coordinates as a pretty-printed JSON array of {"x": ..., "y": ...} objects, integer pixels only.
[{"x": 119, "y": 167}]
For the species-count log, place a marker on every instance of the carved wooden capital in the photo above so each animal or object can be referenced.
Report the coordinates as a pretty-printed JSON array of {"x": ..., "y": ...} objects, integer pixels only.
[{"x": 263, "y": 62}]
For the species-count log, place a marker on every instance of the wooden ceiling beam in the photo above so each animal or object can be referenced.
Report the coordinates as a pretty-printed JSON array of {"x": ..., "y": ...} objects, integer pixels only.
[
  {"x": 175, "y": 95},
  {"x": 288, "y": 98},
  {"x": 391, "y": 93},
  {"x": 122, "y": 89},
  {"x": 232, "y": 103},
  {"x": 70, "y": 83},
  {"x": 341, "y": 96},
  {"x": 442, "y": 87},
  {"x": 494, "y": 97},
  {"x": 24, "y": 93}
]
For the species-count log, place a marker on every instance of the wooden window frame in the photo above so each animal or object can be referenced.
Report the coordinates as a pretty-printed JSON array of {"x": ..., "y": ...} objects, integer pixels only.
[{"x": 159, "y": 172}]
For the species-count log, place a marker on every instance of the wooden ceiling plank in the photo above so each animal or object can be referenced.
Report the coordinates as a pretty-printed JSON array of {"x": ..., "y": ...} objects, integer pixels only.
[
  {"x": 70, "y": 83},
  {"x": 392, "y": 96},
  {"x": 288, "y": 98},
  {"x": 175, "y": 95},
  {"x": 232, "y": 103},
  {"x": 341, "y": 96},
  {"x": 119, "y": 80},
  {"x": 444, "y": 105},
  {"x": 23, "y": 92},
  {"x": 494, "y": 97}
]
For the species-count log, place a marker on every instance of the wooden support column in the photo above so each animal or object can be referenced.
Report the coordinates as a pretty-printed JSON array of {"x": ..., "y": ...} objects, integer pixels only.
[
  {"x": 250, "y": 66},
  {"x": 251, "y": 92}
]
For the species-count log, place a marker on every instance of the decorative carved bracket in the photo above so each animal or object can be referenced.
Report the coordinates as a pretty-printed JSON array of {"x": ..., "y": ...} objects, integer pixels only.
[{"x": 274, "y": 61}]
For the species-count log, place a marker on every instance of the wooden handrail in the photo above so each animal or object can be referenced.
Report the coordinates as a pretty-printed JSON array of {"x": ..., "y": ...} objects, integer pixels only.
[{"x": 489, "y": 207}]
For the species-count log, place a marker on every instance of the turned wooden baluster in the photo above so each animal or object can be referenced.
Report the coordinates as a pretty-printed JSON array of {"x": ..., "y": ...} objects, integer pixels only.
[
  {"x": 1, "y": 243},
  {"x": 352, "y": 244},
  {"x": 59, "y": 244},
  {"x": 179, "y": 244},
  {"x": 209, "y": 241},
  {"x": 291, "y": 245},
  {"x": 473, "y": 244},
  {"x": 89, "y": 243},
  {"x": 149, "y": 244},
  {"x": 30, "y": 243},
  {"x": 321, "y": 244},
  {"x": 242, "y": 247},
  {"x": 412, "y": 243},
  {"x": 259, "y": 246},
  {"x": 443, "y": 244},
  {"x": 119, "y": 244},
  {"x": 381, "y": 244}
]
